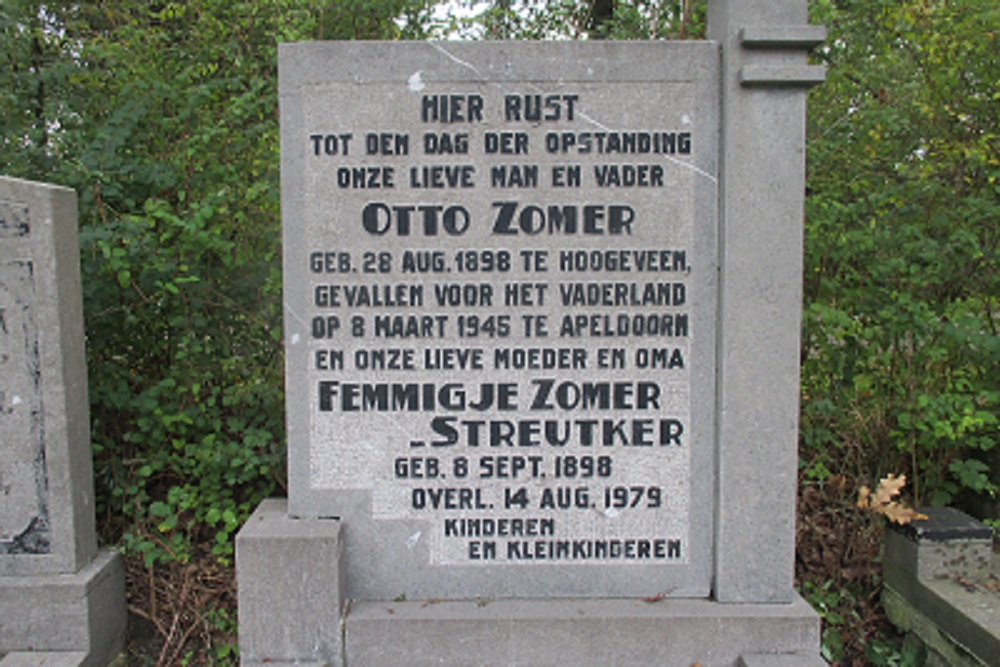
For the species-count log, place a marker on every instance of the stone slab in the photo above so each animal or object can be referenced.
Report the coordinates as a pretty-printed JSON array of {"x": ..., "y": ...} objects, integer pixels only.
[
  {"x": 944, "y": 524},
  {"x": 446, "y": 489},
  {"x": 930, "y": 560},
  {"x": 81, "y": 612},
  {"x": 665, "y": 633},
  {"x": 290, "y": 587},
  {"x": 945, "y": 648},
  {"x": 46, "y": 504},
  {"x": 762, "y": 167},
  {"x": 979, "y": 618},
  {"x": 941, "y": 584},
  {"x": 783, "y": 37},
  {"x": 782, "y": 76},
  {"x": 967, "y": 614}
]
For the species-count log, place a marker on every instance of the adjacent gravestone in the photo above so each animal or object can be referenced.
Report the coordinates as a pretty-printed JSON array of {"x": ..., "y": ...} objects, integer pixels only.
[
  {"x": 526, "y": 285},
  {"x": 58, "y": 593}
]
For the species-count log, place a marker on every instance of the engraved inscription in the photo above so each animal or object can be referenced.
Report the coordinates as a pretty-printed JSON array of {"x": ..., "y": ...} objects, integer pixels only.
[
  {"x": 13, "y": 220},
  {"x": 509, "y": 361},
  {"x": 24, "y": 523}
]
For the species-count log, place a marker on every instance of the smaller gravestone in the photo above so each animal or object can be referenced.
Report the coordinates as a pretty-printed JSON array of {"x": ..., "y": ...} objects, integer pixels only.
[
  {"x": 942, "y": 586},
  {"x": 60, "y": 598}
]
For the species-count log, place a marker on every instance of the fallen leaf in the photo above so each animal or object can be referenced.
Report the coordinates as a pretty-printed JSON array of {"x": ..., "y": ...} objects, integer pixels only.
[
  {"x": 882, "y": 501},
  {"x": 889, "y": 487}
]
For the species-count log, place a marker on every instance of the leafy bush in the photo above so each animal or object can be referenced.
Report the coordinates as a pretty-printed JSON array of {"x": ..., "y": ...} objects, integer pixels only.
[
  {"x": 900, "y": 345},
  {"x": 187, "y": 410}
]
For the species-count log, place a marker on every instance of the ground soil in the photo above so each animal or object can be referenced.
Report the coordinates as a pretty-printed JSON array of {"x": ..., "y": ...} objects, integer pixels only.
[
  {"x": 838, "y": 568},
  {"x": 181, "y": 614}
]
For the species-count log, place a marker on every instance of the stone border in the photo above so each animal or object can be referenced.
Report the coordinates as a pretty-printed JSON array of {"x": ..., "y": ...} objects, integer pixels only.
[{"x": 942, "y": 583}]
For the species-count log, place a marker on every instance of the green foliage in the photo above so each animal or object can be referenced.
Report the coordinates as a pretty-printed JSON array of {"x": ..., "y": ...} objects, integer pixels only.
[
  {"x": 187, "y": 417},
  {"x": 838, "y": 604},
  {"x": 885, "y": 653},
  {"x": 832, "y": 603},
  {"x": 164, "y": 117},
  {"x": 575, "y": 19},
  {"x": 645, "y": 19},
  {"x": 900, "y": 335}
]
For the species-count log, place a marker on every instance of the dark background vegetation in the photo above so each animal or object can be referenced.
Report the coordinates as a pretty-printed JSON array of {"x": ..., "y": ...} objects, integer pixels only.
[{"x": 163, "y": 117}]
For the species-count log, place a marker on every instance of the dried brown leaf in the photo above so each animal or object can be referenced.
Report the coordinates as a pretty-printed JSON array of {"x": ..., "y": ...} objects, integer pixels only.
[
  {"x": 888, "y": 488},
  {"x": 882, "y": 501}
]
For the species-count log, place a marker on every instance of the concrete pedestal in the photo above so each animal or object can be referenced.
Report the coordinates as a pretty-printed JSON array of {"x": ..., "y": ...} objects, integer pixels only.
[
  {"x": 669, "y": 632},
  {"x": 64, "y": 619},
  {"x": 290, "y": 587}
]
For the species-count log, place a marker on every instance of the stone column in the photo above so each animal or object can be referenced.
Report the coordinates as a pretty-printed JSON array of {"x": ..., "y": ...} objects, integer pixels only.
[{"x": 762, "y": 163}]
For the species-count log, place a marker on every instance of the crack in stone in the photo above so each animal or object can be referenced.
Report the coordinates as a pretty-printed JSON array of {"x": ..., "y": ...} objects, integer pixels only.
[{"x": 593, "y": 121}]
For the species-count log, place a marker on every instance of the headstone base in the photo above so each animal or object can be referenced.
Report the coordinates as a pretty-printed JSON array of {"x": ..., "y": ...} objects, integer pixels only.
[
  {"x": 666, "y": 632},
  {"x": 65, "y": 619},
  {"x": 291, "y": 610}
]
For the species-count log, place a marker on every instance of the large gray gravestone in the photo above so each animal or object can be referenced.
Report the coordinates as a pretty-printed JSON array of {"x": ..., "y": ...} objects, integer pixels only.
[
  {"x": 518, "y": 302},
  {"x": 59, "y": 596},
  {"x": 502, "y": 332}
]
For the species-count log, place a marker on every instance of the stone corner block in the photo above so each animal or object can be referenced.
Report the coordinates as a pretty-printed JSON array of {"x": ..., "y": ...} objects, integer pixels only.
[{"x": 290, "y": 588}]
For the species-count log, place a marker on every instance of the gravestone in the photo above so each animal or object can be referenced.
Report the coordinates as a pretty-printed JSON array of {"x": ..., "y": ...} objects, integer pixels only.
[
  {"x": 61, "y": 599},
  {"x": 508, "y": 353},
  {"x": 541, "y": 323}
]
